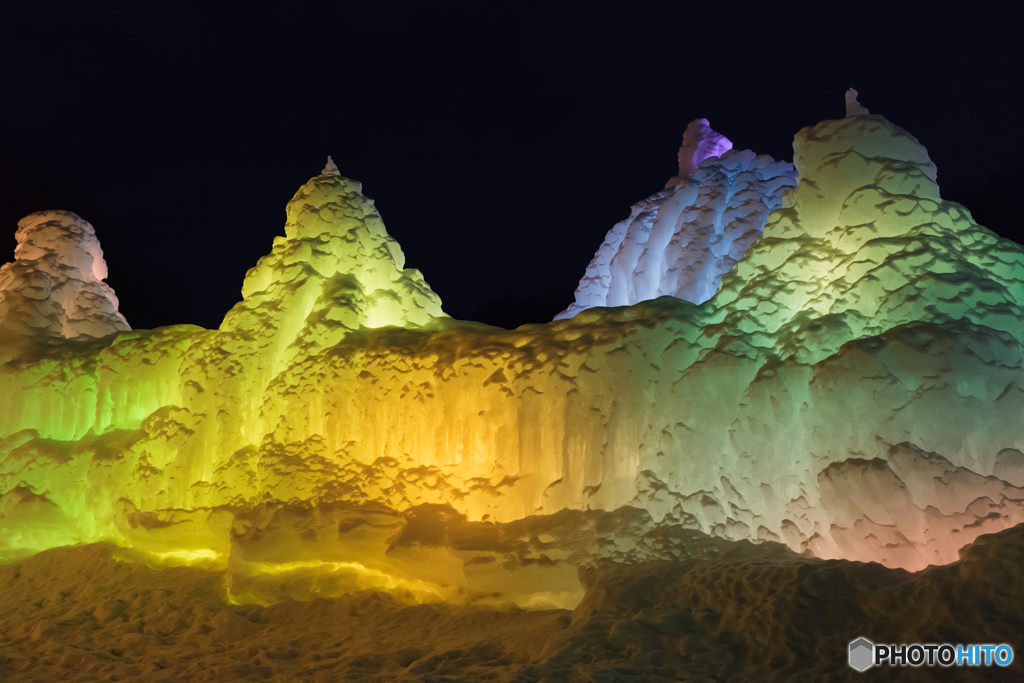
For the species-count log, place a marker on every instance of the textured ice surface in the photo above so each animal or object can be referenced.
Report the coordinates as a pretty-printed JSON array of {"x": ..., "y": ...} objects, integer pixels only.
[
  {"x": 699, "y": 143},
  {"x": 680, "y": 241},
  {"x": 54, "y": 289},
  {"x": 854, "y": 390}
]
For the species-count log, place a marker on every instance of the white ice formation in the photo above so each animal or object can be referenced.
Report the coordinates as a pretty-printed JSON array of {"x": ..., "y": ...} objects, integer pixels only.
[
  {"x": 680, "y": 241},
  {"x": 54, "y": 288}
]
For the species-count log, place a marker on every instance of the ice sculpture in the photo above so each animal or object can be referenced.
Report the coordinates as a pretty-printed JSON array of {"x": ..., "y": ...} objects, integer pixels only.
[
  {"x": 54, "y": 289},
  {"x": 854, "y": 389},
  {"x": 680, "y": 241}
]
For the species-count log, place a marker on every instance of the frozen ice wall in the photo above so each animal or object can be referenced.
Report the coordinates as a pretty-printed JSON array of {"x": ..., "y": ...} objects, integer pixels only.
[
  {"x": 680, "y": 241},
  {"x": 854, "y": 389}
]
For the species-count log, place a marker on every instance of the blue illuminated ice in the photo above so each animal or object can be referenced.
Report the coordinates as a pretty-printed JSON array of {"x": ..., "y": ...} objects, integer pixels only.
[{"x": 680, "y": 241}]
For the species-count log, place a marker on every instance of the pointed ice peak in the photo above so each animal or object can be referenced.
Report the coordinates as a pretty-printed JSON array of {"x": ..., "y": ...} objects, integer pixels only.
[
  {"x": 330, "y": 168},
  {"x": 700, "y": 143},
  {"x": 853, "y": 107}
]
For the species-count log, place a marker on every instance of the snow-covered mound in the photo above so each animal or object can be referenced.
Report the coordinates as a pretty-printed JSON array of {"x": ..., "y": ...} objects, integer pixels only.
[{"x": 680, "y": 241}]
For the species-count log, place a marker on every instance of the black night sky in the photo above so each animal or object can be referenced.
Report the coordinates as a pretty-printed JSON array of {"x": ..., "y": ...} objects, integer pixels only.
[{"x": 500, "y": 141}]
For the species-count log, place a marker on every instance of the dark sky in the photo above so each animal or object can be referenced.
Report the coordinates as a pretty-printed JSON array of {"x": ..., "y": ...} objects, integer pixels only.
[{"x": 500, "y": 141}]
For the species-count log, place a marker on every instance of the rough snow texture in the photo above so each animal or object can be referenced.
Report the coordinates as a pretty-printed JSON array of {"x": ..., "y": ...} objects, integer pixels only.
[
  {"x": 335, "y": 271},
  {"x": 719, "y": 611},
  {"x": 681, "y": 241},
  {"x": 54, "y": 289},
  {"x": 854, "y": 390},
  {"x": 866, "y": 244}
]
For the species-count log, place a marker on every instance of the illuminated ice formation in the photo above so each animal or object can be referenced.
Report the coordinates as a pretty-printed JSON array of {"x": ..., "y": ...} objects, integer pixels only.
[
  {"x": 54, "y": 289},
  {"x": 854, "y": 389},
  {"x": 335, "y": 271},
  {"x": 680, "y": 241},
  {"x": 853, "y": 107},
  {"x": 699, "y": 143}
]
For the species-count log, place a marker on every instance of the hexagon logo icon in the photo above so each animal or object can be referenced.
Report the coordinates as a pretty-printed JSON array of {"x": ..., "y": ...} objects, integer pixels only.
[{"x": 862, "y": 654}]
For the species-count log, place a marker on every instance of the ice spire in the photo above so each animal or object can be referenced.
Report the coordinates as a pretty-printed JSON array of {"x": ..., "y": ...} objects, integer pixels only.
[
  {"x": 699, "y": 143},
  {"x": 853, "y": 107}
]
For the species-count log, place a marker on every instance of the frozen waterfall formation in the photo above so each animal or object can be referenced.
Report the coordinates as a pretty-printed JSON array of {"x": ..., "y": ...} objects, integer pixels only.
[
  {"x": 853, "y": 388},
  {"x": 680, "y": 241}
]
